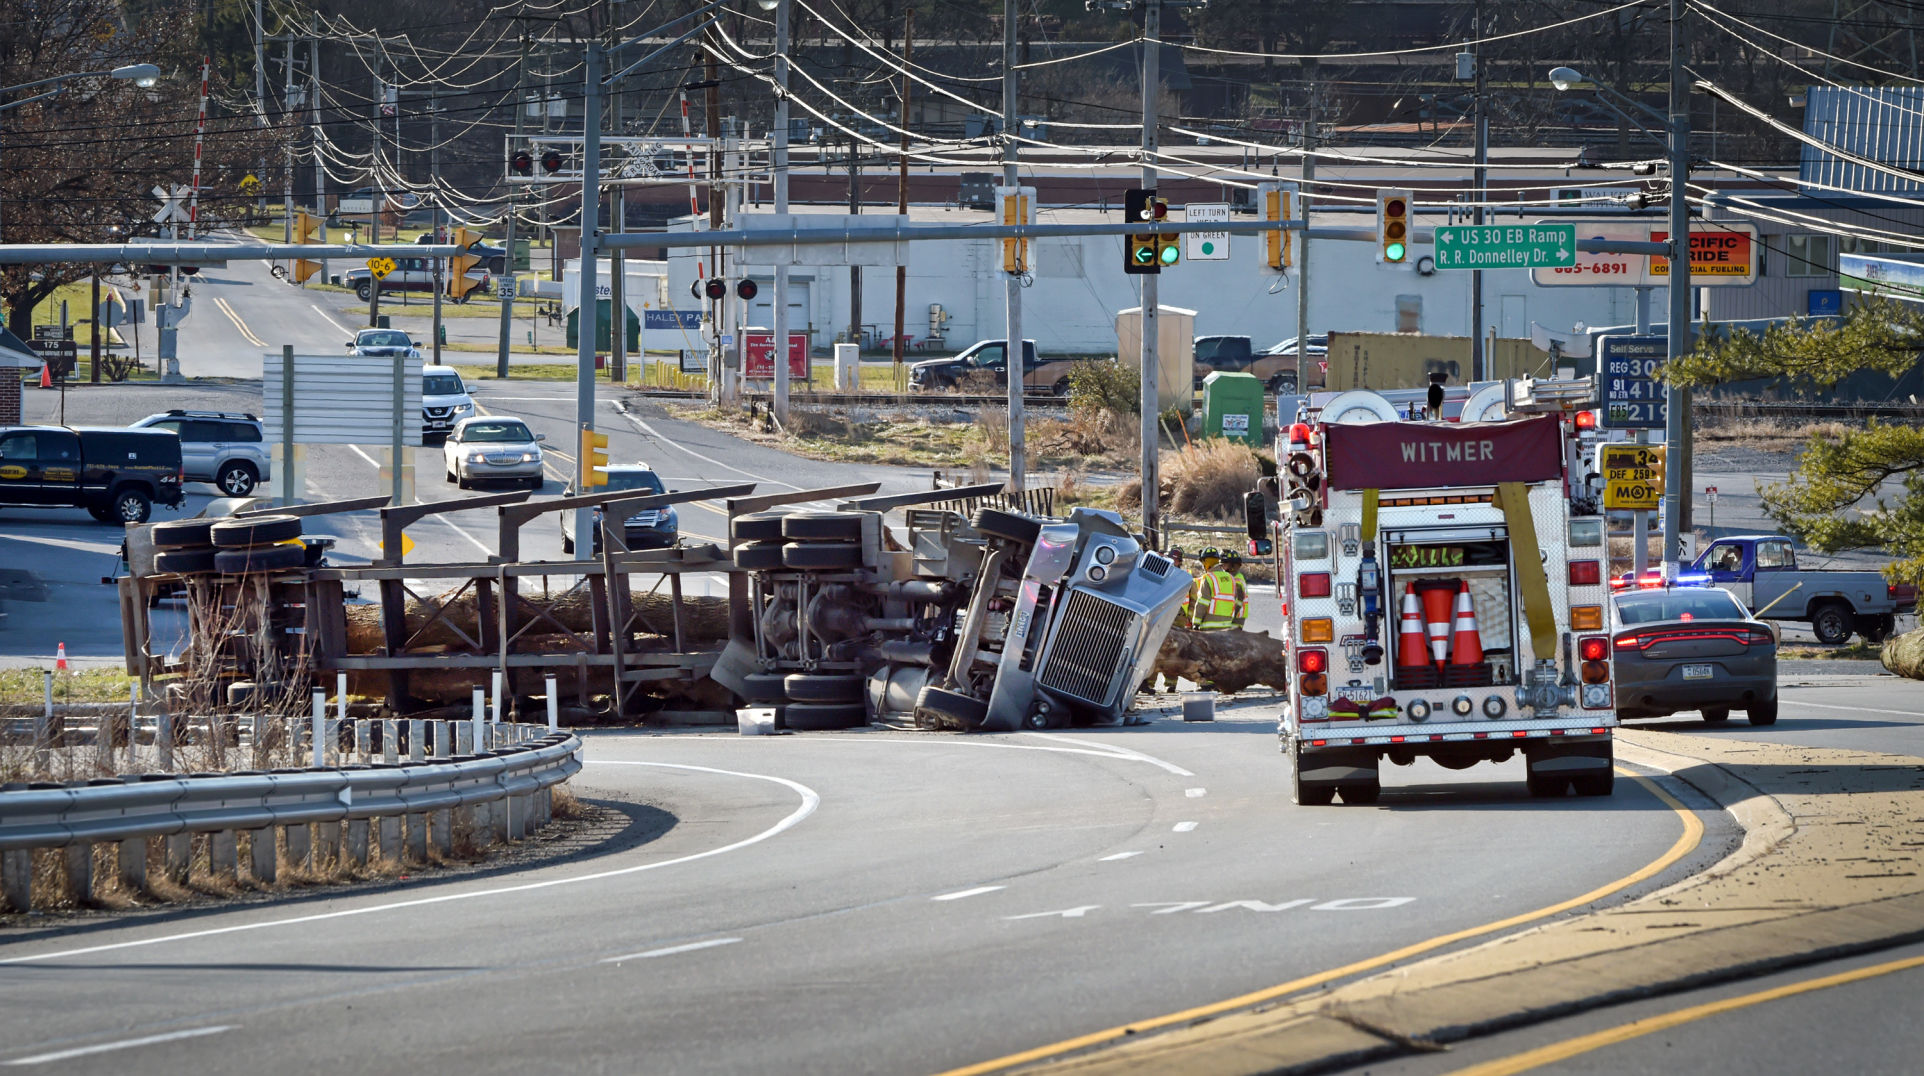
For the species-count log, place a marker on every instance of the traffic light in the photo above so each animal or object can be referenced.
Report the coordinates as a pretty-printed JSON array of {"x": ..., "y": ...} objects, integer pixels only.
[
  {"x": 1141, "y": 253},
  {"x": 594, "y": 459},
  {"x": 746, "y": 289},
  {"x": 521, "y": 163},
  {"x": 459, "y": 283},
  {"x": 1168, "y": 247},
  {"x": 1393, "y": 227},
  {"x": 1278, "y": 206},
  {"x": 304, "y": 227},
  {"x": 551, "y": 161},
  {"x": 716, "y": 289},
  {"x": 1018, "y": 208}
]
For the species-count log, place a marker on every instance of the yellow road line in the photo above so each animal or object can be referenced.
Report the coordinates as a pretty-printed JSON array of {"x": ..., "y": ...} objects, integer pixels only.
[
  {"x": 1692, "y": 834},
  {"x": 238, "y": 323},
  {"x": 1559, "y": 1051}
]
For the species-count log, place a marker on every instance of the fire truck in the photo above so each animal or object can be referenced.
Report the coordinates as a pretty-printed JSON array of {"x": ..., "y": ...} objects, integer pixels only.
[{"x": 1442, "y": 598}]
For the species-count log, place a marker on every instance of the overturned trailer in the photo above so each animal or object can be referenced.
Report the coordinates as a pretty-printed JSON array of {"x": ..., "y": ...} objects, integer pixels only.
[{"x": 995, "y": 620}]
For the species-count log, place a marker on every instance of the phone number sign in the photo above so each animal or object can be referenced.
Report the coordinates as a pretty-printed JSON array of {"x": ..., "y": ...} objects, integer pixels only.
[{"x": 1633, "y": 395}]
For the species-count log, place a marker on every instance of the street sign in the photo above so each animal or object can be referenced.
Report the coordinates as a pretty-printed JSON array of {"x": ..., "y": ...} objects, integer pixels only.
[
  {"x": 507, "y": 288},
  {"x": 1722, "y": 254},
  {"x": 1205, "y": 246},
  {"x": 173, "y": 204},
  {"x": 1632, "y": 476},
  {"x": 1505, "y": 246},
  {"x": 380, "y": 267},
  {"x": 1633, "y": 395}
]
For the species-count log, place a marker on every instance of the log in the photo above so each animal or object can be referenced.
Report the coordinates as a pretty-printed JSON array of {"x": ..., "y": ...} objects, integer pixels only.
[
  {"x": 1231, "y": 659},
  {"x": 704, "y": 619},
  {"x": 1904, "y": 654}
]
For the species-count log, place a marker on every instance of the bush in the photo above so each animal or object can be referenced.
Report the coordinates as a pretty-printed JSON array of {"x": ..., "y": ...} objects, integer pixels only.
[
  {"x": 1204, "y": 480},
  {"x": 1105, "y": 385},
  {"x": 1090, "y": 435}
]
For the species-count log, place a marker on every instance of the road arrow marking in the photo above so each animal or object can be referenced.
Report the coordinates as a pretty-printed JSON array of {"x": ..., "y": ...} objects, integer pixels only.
[
  {"x": 1256, "y": 905},
  {"x": 1076, "y": 912},
  {"x": 1118, "y": 855},
  {"x": 1185, "y": 827}
]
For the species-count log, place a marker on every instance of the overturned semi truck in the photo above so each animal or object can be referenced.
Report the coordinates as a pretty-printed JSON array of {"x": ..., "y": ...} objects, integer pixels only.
[{"x": 995, "y": 621}]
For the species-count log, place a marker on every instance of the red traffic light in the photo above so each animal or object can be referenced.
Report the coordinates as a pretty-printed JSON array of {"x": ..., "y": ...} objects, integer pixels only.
[
  {"x": 747, "y": 289},
  {"x": 1395, "y": 207},
  {"x": 1159, "y": 209},
  {"x": 716, "y": 289},
  {"x": 522, "y": 163},
  {"x": 551, "y": 161}
]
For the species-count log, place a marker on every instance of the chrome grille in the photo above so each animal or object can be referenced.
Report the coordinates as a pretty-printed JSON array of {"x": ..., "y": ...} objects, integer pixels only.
[
  {"x": 1088, "y": 647},
  {"x": 1153, "y": 565}
]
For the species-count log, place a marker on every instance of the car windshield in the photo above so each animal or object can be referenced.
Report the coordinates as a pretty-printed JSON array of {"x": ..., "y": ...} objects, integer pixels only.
[
  {"x": 647, "y": 480},
  {"x": 441, "y": 385},
  {"x": 1650, "y": 606},
  {"x": 383, "y": 338},
  {"x": 496, "y": 431}
]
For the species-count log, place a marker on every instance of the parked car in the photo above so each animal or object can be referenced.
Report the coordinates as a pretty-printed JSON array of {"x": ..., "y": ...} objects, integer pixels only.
[
  {"x": 650, "y": 528},
  {"x": 117, "y": 475},
  {"x": 491, "y": 449},
  {"x": 444, "y": 400},
  {"x": 383, "y": 342},
  {"x": 1686, "y": 646},
  {"x": 1275, "y": 367},
  {"x": 494, "y": 259},
  {"x": 1761, "y": 570},
  {"x": 412, "y": 274},
  {"x": 1039, "y": 375},
  {"x": 222, "y": 447}
]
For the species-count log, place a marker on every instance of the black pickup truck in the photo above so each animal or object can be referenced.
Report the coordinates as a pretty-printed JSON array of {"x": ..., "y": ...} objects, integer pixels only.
[{"x": 117, "y": 475}]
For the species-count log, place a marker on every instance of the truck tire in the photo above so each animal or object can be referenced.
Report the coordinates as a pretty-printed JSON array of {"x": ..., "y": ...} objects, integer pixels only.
[
  {"x": 255, "y": 530},
  {"x": 820, "y": 716},
  {"x": 1307, "y": 795},
  {"x": 184, "y": 561},
  {"x": 817, "y": 556},
  {"x": 759, "y": 556},
  {"x": 130, "y": 505},
  {"x": 1764, "y": 713},
  {"x": 764, "y": 687},
  {"x": 969, "y": 712},
  {"x": 364, "y": 291},
  {"x": 809, "y": 687},
  {"x": 999, "y": 524},
  {"x": 264, "y": 558},
  {"x": 823, "y": 526},
  {"x": 1595, "y": 784},
  {"x": 1831, "y": 623},
  {"x": 757, "y": 527},
  {"x": 1360, "y": 793},
  {"x": 183, "y": 534},
  {"x": 1547, "y": 786},
  {"x": 236, "y": 478},
  {"x": 1875, "y": 629},
  {"x": 1716, "y": 715}
]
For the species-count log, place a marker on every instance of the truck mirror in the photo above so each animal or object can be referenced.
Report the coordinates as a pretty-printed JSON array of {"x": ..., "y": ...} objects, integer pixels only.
[
  {"x": 1256, "y": 514},
  {"x": 1260, "y": 547}
]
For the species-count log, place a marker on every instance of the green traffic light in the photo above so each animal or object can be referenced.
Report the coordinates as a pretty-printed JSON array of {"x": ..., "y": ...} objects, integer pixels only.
[
  {"x": 1393, "y": 252},
  {"x": 1171, "y": 254},
  {"x": 1143, "y": 255}
]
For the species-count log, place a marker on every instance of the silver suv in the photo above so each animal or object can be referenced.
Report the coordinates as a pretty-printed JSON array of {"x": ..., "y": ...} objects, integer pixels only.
[{"x": 222, "y": 447}]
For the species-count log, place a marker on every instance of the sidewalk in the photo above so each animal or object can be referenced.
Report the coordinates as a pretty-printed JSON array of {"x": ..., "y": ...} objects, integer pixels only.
[{"x": 1829, "y": 866}]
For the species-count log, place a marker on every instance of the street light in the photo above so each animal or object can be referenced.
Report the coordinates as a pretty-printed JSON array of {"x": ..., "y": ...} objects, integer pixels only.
[{"x": 142, "y": 75}]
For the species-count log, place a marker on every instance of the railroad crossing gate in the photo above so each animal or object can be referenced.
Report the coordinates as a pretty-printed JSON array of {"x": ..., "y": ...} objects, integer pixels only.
[{"x": 1632, "y": 476}]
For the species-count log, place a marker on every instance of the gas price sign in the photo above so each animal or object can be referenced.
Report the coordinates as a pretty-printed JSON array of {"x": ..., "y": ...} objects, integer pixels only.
[
  {"x": 1633, "y": 396},
  {"x": 1632, "y": 476}
]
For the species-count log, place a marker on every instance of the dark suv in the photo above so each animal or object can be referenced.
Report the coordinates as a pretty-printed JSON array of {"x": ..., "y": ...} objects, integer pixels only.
[{"x": 115, "y": 474}]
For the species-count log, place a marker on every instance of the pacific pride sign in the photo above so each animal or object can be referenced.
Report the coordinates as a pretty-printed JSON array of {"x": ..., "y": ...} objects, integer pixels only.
[
  {"x": 1720, "y": 253},
  {"x": 1425, "y": 455}
]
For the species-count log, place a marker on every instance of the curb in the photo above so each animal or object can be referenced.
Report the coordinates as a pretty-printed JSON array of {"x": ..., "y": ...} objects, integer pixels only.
[{"x": 1775, "y": 902}]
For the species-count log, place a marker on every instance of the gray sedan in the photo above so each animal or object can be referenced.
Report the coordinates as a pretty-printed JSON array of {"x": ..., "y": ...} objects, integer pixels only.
[
  {"x": 1680, "y": 647},
  {"x": 484, "y": 448}
]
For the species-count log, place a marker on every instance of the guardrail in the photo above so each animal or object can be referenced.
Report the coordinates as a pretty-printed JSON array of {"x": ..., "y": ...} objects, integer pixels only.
[{"x": 293, "y": 817}]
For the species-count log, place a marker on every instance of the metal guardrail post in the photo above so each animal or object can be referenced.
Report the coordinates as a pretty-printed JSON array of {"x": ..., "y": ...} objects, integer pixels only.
[
  {"x": 223, "y": 854},
  {"x": 554, "y": 707},
  {"x": 131, "y": 864},
  {"x": 318, "y": 729},
  {"x": 390, "y": 741},
  {"x": 179, "y": 857},
  {"x": 356, "y": 845},
  {"x": 263, "y": 858},
  {"x": 80, "y": 873},
  {"x": 16, "y": 879}
]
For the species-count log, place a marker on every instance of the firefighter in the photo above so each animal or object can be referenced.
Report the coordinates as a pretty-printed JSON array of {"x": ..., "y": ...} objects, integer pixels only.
[
  {"x": 1233, "y": 567},
  {"x": 1215, "y": 603}
]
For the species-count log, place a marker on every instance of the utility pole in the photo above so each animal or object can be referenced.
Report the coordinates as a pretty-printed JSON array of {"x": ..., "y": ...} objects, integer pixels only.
[
  {"x": 1302, "y": 247},
  {"x": 1676, "y": 401},
  {"x": 780, "y": 165},
  {"x": 1640, "y": 521},
  {"x": 617, "y": 217},
  {"x": 287, "y": 177},
  {"x": 728, "y": 376},
  {"x": 1151, "y": 298},
  {"x": 374, "y": 182},
  {"x": 314, "y": 132},
  {"x": 1013, "y": 352},
  {"x": 1479, "y": 362},
  {"x": 854, "y": 271},
  {"x": 585, "y": 321},
  {"x": 507, "y": 304},
  {"x": 902, "y": 190},
  {"x": 439, "y": 218}
]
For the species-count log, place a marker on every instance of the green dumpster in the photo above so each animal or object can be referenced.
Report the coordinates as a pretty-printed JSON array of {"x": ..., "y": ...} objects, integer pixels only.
[
  {"x": 605, "y": 316},
  {"x": 1233, "y": 407},
  {"x": 521, "y": 255}
]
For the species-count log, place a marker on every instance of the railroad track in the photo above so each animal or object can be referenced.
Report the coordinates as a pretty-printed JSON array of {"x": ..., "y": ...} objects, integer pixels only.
[{"x": 872, "y": 399}]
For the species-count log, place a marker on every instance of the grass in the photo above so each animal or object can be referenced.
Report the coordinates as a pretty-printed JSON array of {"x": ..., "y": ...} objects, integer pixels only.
[
  {"x": 28, "y": 686},
  {"x": 1859, "y": 650},
  {"x": 1761, "y": 434},
  {"x": 521, "y": 371}
]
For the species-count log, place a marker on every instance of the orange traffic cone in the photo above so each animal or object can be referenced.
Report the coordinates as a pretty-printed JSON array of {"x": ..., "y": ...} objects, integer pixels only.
[
  {"x": 1468, "y": 649},
  {"x": 1410, "y": 649},
  {"x": 1436, "y": 616},
  {"x": 60, "y": 658},
  {"x": 46, "y": 376}
]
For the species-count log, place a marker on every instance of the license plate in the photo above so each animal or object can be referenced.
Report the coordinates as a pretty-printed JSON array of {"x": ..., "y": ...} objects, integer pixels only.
[{"x": 1696, "y": 672}]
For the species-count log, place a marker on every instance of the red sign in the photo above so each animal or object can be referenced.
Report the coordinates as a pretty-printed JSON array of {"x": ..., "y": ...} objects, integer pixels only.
[
  {"x": 1714, "y": 252},
  {"x": 1425, "y": 455},
  {"x": 758, "y": 355}
]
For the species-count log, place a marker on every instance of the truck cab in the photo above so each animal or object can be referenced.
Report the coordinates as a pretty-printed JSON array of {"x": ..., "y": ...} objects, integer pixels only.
[{"x": 1761, "y": 570}]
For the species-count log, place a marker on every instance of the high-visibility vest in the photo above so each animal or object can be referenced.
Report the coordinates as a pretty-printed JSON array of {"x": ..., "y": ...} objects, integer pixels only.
[
  {"x": 1216, "y": 603},
  {"x": 1242, "y": 599}
]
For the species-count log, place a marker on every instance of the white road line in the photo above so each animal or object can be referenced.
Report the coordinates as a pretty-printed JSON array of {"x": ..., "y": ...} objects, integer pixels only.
[
  {"x": 124, "y": 1044},
  {"x": 976, "y": 892},
  {"x": 330, "y": 319},
  {"x": 1858, "y": 709},
  {"x": 1184, "y": 827},
  {"x": 673, "y": 949},
  {"x": 810, "y": 801},
  {"x": 1117, "y": 752},
  {"x": 1118, "y": 756},
  {"x": 1118, "y": 855},
  {"x": 444, "y": 520},
  {"x": 656, "y": 434},
  {"x": 1195, "y": 793}
]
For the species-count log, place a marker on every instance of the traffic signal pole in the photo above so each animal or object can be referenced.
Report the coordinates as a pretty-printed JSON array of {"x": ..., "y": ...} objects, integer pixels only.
[
  {"x": 507, "y": 304},
  {"x": 1302, "y": 249},
  {"x": 779, "y": 328},
  {"x": 1151, "y": 331},
  {"x": 1013, "y": 351},
  {"x": 1676, "y": 406},
  {"x": 587, "y": 310}
]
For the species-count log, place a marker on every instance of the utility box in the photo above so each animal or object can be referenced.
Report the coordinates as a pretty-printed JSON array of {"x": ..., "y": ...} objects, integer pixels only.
[
  {"x": 1175, "y": 351},
  {"x": 523, "y": 259},
  {"x": 1233, "y": 407},
  {"x": 604, "y": 318},
  {"x": 848, "y": 368}
]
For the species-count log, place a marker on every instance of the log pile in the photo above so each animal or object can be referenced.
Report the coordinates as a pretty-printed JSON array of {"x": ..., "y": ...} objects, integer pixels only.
[
  {"x": 1231, "y": 660},
  {"x": 1904, "y": 654}
]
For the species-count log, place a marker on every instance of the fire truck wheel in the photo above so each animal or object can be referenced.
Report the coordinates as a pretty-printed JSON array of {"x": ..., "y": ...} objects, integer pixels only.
[
  {"x": 819, "y": 555},
  {"x": 804, "y": 687},
  {"x": 759, "y": 556},
  {"x": 757, "y": 527},
  {"x": 999, "y": 524},
  {"x": 764, "y": 687},
  {"x": 1546, "y": 786},
  {"x": 1306, "y": 795},
  {"x": 184, "y": 561},
  {"x": 1716, "y": 715},
  {"x": 817, "y": 716},
  {"x": 183, "y": 534},
  {"x": 818, "y": 526},
  {"x": 1595, "y": 784},
  {"x": 1360, "y": 793},
  {"x": 954, "y": 705},
  {"x": 254, "y": 530}
]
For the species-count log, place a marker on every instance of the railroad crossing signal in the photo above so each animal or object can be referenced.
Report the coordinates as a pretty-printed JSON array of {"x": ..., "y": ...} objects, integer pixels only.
[
  {"x": 459, "y": 283},
  {"x": 1392, "y": 227},
  {"x": 1278, "y": 205},
  {"x": 380, "y": 267},
  {"x": 304, "y": 227},
  {"x": 1632, "y": 476},
  {"x": 594, "y": 459}
]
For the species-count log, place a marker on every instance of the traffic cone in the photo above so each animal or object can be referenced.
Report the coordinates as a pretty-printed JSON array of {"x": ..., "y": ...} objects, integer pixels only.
[
  {"x": 60, "y": 658},
  {"x": 46, "y": 376},
  {"x": 1410, "y": 649},
  {"x": 1468, "y": 649},
  {"x": 1436, "y": 616}
]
